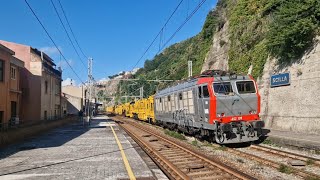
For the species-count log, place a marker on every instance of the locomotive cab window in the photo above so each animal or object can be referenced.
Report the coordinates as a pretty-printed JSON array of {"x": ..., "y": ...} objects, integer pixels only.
[
  {"x": 199, "y": 92},
  {"x": 245, "y": 87},
  {"x": 205, "y": 91},
  {"x": 224, "y": 88}
]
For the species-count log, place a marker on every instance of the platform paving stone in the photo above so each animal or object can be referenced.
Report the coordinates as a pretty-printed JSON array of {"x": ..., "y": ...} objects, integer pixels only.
[{"x": 73, "y": 152}]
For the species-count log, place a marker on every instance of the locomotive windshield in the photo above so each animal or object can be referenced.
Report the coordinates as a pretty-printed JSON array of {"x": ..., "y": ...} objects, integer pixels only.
[
  {"x": 222, "y": 88},
  {"x": 245, "y": 87}
]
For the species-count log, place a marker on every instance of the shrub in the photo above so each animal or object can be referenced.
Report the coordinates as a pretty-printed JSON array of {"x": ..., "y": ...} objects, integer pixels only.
[{"x": 293, "y": 29}]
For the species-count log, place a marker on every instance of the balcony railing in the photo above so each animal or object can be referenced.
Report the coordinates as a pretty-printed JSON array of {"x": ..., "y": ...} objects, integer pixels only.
[{"x": 52, "y": 70}]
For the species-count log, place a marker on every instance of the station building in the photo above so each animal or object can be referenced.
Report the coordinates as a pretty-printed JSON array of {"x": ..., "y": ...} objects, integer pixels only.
[
  {"x": 40, "y": 83},
  {"x": 10, "y": 89},
  {"x": 74, "y": 96}
]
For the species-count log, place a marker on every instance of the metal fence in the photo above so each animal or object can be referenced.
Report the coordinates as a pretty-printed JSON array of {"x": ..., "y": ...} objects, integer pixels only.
[
  {"x": 8, "y": 125},
  {"x": 13, "y": 123}
]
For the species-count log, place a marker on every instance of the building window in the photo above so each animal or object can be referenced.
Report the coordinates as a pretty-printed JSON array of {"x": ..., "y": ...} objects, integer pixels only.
[
  {"x": 46, "y": 87},
  {"x": 1, "y": 71},
  {"x": 169, "y": 98},
  {"x": 180, "y": 96},
  {"x": 45, "y": 115},
  {"x": 1, "y": 119},
  {"x": 58, "y": 87},
  {"x": 13, "y": 109},
  {"x": 13, "y": 72}
]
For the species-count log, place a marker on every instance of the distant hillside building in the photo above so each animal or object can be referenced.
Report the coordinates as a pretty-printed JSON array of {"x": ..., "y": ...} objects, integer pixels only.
[
  {"x": 41, "y": 84},
  {"x": 10, "y": 90}
]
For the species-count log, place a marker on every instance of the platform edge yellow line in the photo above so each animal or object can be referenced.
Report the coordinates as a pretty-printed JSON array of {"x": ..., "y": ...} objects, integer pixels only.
[{"x": 124, "y": 157}]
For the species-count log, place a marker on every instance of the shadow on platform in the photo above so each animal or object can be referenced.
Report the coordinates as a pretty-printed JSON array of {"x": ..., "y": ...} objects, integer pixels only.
[{"x": 55, "y": 137}]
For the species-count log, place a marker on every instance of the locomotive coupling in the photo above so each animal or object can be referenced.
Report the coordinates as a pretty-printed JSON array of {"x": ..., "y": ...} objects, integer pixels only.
[
  {"x": 226, "y": 127},
  {"x": 258, "y": 124}
]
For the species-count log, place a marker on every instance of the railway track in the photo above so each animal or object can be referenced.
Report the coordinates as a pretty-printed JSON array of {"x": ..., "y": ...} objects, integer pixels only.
[
  {"x": 269, "y": 150},
  {"x": 177, "y": 160},
  {"x": 299, "y": 172},
  {"x": 268, "y": 162}
]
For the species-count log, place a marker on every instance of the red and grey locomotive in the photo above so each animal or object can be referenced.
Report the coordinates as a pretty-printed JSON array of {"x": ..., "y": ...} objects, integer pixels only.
[{"x": 216, "y": 105}]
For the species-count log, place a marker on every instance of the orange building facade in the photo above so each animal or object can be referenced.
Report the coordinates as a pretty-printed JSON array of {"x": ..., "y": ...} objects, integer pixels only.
[
  {"x": 10, "y": 89},
  {"x": 40, "y": 85}
]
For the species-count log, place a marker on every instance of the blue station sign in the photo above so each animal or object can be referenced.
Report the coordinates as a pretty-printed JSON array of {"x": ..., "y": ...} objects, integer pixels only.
[{"x": 280, "y": 80}]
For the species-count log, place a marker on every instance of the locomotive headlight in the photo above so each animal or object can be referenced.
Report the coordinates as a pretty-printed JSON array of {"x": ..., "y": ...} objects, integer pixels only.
[
  {"x": 220, "y": 114},
  {"x": 252, "y": 112}
]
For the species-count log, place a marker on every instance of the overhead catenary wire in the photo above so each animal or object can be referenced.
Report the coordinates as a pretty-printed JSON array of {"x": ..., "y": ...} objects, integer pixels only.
[
  {"x": 67, "y": 33},
  {"x": 64, "y": 14},
  {"x": 181, "y": 26},
  {"x": 161, "y": 30},
  {"x": 64, "y": 58}
]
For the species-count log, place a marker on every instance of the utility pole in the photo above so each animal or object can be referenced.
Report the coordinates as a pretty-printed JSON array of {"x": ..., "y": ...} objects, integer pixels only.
[
  {"x": 89, "y": 108},
  {"x": 119, "y": 100},
  {"x": 141, "y": 92},
  {"x": 189, "y": 68}
]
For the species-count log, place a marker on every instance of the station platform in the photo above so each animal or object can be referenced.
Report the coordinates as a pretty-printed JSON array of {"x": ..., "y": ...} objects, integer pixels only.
[
  {"x": 298, "y": 140},
  {"x": 98, "y": 151}
]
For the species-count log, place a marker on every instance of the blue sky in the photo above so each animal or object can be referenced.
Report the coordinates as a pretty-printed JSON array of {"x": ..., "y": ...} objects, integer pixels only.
[{"x": 115, "y": 33}]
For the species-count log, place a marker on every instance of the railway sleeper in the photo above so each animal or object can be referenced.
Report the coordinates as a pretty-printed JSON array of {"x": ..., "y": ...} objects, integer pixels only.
[
  {"x": 165, "y": 149},
  {"x": 189, "y": 167},
  {"x": 201, "y": 172},
  {"x": 174, "y": 153},
  {"x": 172, "y": 157},
  {"x": 211, "y": 175},
  {"x": 185, "y": 159},
  {"x": 187, "y": 162}
]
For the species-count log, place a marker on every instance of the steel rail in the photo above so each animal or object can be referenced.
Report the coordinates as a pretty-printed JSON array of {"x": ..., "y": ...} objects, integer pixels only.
[
  {"x": 201, "y": 157},
  {"x": 276, "y": 165},
  {"x": 161, "y": 161},
  {"x": 282, "y": 153}
]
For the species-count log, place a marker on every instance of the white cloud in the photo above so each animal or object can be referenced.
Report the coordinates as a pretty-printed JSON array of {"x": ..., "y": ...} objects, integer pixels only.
[
  {"x": 51, "y": 51},
  {"x": 63, "y": 64},
  {"x": 103, "y": 80},
  {"x": 68, "y": 82}
]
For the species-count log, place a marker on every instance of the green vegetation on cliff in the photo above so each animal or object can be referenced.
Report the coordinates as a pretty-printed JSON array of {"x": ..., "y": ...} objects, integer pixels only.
[
  {"x": 172, "y": 63},
  {"x": 284, "y": 29},
  {"x": 258, "y": 29}
]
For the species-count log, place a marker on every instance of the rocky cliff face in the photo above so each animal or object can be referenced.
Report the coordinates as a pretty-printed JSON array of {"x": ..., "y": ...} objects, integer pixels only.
[
  {"x": 273, "y": 37},
  {"x": 109, "y": 89},
  {"x": 295, "y": 107},
  {"x": 217, "y": 57}
]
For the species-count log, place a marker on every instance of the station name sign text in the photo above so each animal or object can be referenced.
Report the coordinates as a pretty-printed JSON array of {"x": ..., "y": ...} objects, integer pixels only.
[{"x": 280, "y": 80}]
